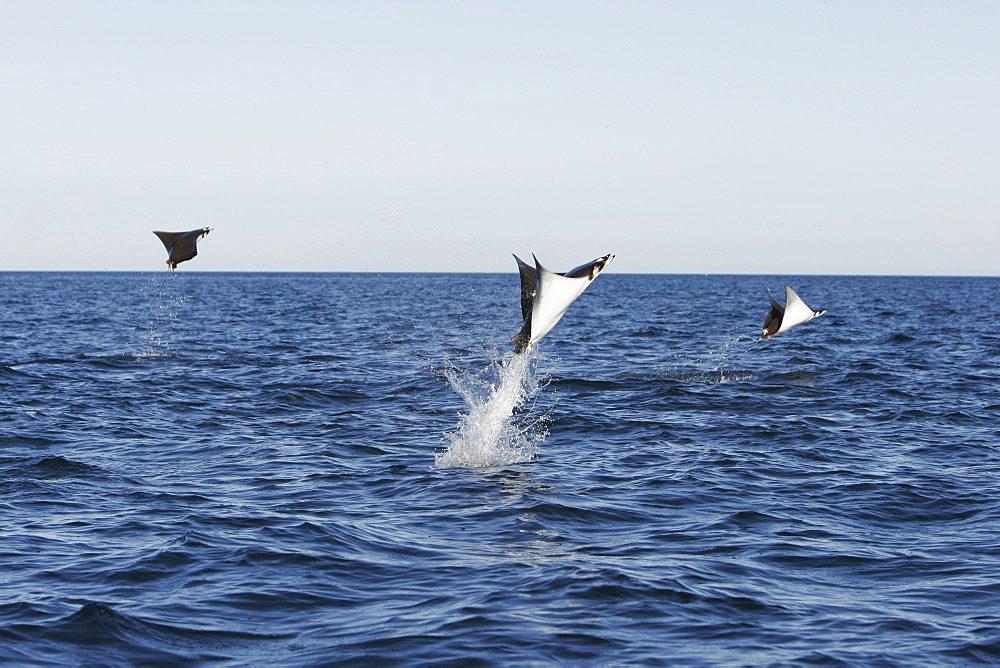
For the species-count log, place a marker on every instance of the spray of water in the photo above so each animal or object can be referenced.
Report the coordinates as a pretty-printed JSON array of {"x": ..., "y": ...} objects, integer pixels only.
[
  {"x": 164, "y": 303},
  {"x": 492, "y": 432},
  {"x": 729, "y": 350}
]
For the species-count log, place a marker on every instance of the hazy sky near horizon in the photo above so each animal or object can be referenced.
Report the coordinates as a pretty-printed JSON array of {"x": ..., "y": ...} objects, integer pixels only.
[{"x": 763, "y": 137}]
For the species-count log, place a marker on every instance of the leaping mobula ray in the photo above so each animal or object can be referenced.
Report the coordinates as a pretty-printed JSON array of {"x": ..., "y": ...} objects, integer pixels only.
[
  {"x": 782, "y": 318},
  {"x": 546, "y": 295},
  {"x": 181, "y": 246}
]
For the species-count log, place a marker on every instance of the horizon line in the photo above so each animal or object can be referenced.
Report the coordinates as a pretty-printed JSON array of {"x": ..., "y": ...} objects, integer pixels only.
[{"x": 370, "y": 271}]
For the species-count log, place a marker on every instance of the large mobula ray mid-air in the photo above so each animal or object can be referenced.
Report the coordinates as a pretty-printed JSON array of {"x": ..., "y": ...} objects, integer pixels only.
[
  {"x": 782, "y": 318},
  {"x": 546, "y": 295},
  {"x": 181, "y": 246}
]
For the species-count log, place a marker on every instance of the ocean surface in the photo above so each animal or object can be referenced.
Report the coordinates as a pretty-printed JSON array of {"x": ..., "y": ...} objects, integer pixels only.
[{"x": 323, "y": 469}]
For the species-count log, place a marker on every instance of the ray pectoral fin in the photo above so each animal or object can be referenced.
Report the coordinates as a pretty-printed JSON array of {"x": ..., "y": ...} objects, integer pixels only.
[
  {"x": 589, "y": 270},
  {"x": 772, "y": 321},
  {"x": 168, "y": 238},
  {"x": 529, "y": 281},
  {"x": 554, "y": 295},
  {"x": 796, "y": 311},
  {"x": 529, "y": 284}
]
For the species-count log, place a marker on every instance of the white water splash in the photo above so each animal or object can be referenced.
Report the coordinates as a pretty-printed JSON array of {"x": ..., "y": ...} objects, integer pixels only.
[{"x": 490, "y": 434}]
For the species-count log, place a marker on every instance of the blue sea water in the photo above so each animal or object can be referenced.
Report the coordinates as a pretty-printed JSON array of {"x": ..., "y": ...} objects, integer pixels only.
[{"x": 323, "y": 469}]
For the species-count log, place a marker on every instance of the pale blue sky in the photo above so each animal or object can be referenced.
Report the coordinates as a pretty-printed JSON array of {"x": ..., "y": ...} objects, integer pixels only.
[{"x": 710, "y": 137}]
